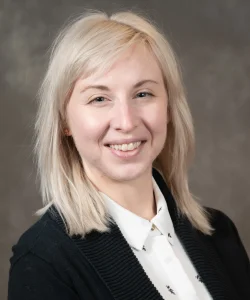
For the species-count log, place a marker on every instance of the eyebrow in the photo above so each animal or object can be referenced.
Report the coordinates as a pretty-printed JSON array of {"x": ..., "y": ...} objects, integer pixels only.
[{"x": 105, "y": 88}]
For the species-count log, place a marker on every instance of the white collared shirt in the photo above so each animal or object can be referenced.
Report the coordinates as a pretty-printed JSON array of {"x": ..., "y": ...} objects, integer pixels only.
[{"x": 159, "y": 250}]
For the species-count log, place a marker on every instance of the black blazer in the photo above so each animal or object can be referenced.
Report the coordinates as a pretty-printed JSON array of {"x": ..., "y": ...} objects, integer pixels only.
[{"x": 48, "y": 264}]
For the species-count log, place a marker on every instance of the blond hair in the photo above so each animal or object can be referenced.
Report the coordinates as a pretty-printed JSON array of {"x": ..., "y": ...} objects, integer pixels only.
[{"x": 90, "y": 44}]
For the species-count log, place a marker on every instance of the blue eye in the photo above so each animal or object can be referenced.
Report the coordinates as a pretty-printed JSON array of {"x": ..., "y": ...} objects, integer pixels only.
[{"x": 144, "y": 94}]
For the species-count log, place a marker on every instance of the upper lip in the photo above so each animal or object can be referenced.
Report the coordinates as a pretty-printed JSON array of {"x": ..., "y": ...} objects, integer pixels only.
[{"x": 125, "y": 141}]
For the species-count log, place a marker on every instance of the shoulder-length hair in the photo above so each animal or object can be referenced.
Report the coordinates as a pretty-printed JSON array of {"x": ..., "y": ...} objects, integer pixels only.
[{"x": 89, "y": 44}]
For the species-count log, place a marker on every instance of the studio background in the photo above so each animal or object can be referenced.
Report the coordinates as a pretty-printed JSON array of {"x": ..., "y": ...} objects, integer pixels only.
[{"x": 212, "y": 42}]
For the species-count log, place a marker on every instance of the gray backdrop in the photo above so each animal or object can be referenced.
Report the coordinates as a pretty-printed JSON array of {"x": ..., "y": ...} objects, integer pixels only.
[{"x": 212, "y": 40}]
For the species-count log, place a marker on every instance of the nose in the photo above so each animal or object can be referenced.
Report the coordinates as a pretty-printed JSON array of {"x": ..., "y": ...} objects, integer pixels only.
[{"x": 125, "y": 116}]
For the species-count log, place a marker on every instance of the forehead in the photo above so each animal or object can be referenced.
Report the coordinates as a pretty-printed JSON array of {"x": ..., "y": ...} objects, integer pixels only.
[{"x": 134, "y": 64}]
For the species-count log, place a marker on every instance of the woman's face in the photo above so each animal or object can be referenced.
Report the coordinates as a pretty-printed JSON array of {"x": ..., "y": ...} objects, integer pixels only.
[{"x": 119, "y": 120}]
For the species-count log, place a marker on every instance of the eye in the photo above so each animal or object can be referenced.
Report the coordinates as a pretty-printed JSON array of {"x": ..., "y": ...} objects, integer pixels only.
[
  {"x": 144, "y": 94},
  {"x": 98, "y": 100}
]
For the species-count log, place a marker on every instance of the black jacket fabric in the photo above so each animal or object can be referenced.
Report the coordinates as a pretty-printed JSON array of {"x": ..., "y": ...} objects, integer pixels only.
[{"x": 48, "y": 265}]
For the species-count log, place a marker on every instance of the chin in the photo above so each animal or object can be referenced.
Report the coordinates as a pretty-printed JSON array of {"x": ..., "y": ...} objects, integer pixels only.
[{"x": 128, "y": 172}]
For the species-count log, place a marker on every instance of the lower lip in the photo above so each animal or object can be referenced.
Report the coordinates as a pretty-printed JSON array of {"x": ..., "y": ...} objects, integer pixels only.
[{"x": 126, "y": 154}]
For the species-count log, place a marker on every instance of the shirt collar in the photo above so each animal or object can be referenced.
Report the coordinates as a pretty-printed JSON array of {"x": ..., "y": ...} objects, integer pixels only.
[{"x": 136, "y": 229}]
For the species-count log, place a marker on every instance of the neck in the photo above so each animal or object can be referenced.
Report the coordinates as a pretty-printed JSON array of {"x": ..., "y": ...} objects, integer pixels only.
[{"x": 136, "y": 196}]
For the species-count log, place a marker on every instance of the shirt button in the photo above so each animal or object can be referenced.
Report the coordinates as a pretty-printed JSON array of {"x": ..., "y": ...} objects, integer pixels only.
[{"x": 153, "y": 227}]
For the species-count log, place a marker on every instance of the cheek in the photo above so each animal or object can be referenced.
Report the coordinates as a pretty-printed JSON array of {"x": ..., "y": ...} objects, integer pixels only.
[
  {"x": 157, "y": 120},
  {"x": 84, "y": 127}
]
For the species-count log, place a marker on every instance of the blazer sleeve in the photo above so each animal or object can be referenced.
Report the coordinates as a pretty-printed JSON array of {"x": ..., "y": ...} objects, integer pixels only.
[{"x": 32, "y": 278}]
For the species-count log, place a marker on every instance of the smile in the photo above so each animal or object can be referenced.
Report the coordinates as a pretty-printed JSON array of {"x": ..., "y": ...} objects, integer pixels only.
[
  {"x": 126, "y": 147},
  {"x": 126, "y": 151}
]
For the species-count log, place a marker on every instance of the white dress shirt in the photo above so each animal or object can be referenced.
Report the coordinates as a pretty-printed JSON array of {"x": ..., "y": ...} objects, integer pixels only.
[{"x": 159, "y": 250}]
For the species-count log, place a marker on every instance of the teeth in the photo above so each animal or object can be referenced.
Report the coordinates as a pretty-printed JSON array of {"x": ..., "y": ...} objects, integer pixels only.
[{"x": 126, "y": 147}]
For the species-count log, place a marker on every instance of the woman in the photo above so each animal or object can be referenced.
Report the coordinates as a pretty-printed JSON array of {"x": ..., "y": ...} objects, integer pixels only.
[{"x": 113, "y": 227}]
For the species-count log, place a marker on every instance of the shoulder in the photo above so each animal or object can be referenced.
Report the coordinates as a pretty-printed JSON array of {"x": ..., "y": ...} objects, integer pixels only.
[
  {"x": 43, "y": 240},
  {"x": 220, "y": 221},
  {"x": 42, "y": 264},
  {"x": 222, "y": 224},
  {"x": 226, "y": 238},
  {"x": 229, "y": 247},
  {"x": 224, "y": 227}
]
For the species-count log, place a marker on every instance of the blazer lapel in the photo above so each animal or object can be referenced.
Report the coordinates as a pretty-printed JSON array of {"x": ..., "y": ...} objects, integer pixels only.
[{"x": 117, "y": 266}]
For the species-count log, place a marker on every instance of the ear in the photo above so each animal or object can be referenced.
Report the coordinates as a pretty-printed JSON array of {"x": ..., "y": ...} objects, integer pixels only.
[{"x": 67, "y": 132}]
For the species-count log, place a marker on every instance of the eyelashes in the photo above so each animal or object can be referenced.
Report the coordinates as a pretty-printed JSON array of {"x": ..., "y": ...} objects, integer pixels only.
[
  {"x": 98, "y": 100},
  {"x": 102, "y": 99},
  {"x": 145, "y": 94}
]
